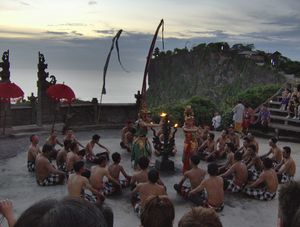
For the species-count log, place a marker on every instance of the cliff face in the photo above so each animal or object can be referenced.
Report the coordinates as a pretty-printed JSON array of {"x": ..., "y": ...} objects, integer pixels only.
[{"x": 203, "y": 71}]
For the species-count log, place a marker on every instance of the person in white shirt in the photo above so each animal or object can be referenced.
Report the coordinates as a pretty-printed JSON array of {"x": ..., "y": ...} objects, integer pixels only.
[
  {"x": 238, "y": 112},
  {"x": 216, "y": 121}
]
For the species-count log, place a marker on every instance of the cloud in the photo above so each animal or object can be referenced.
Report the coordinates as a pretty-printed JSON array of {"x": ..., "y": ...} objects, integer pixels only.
[
  {"x": 56, "y": 33},
  {"x": 24, "y": 3},
  {"x": 69, "y": 25},
  {"x": 105, "y": 32},
  {"x": 76, "y": 33},
  {"x": 92, "y": 2}
]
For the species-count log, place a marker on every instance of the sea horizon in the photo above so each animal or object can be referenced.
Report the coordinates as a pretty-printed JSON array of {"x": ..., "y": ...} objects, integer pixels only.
[{"x": 86, "y": 84}]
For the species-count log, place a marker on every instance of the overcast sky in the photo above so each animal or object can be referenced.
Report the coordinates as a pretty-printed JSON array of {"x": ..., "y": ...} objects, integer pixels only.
[{"x": 76, "y": 34}]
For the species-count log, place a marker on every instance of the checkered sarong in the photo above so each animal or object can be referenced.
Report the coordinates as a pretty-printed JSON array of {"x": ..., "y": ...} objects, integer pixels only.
[
  {"x": 260, "y": 193},
  {"x": 31, "y": 166},
  {"x": 110, "y": 188},
  {"x": 232, "y": 187},
  {"x": 183, "y": 190},
  {"x": 253, "y": 173},
  {"x": 285, "y": 178},
  {"x": 52, "y": 179},
  {"x": 89, "y": 198},
  {"x": 217, "y": 209},
  {"x": 62, "y": 167}
]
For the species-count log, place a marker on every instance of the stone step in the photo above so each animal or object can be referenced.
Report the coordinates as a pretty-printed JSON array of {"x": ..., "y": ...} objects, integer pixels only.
[{"x": 285, "y": 127}]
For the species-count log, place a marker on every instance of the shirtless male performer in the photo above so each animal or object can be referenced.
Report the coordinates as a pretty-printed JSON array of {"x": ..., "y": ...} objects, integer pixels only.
[
  {"x": 212, "y": 188},
  {"x": 239, "y": 173},
  {"x": 77, "y": 184},
  {"x": 114, "y": 170},
  {"x": 275, "y": 151},
  {"x": 269, "y": 178},
  {"x": 72, "y": 157},
  {"x": 140, "y": 176},
  {"x": 195, "y": 176},
  {"x": 90, "y": 156},
  {"x": 61, "y": 157},
  {"x": 287, "y": 168},
  {"x": 46, "y": 173},
  {"x": 32, "y": 152},
  {"x": 148, "y": 189},
  {"x": 98, "y": 172}
]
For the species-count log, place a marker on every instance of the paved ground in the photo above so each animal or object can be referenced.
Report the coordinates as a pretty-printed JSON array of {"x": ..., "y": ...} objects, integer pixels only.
[{"x": 20, "y": 186}]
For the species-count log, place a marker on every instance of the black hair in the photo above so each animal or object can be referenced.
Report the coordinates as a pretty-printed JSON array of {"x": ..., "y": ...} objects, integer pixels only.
[
  {"x": 67, "y": 212},
  {"x": 67, "y": 143},
  {"x": 238, "y": 156},
  {"x": 212, "y": 169},
  {"x": 73, "y": 145},
  {"x": 287, "y": 149},
  {"x": 95, "y": 137},
  {"x": 116, "y": 157},
  {"x": 211, "y": 135},
  {"x": 289, "y": 202},
  {"x": 153, "y": 176},
  {"x": 78, "y": 165},
  {"x": 274, "y": 140},
  {"x": 195, "y": 159},
  {"x": 252, "y": 147},
  {"x": 81, "y": 152},
  {"x": 100, "y": 159},
  {"x": 143, "y": 162},
  {"x": 268, "y": 163},
  {"x": 107, "y": 213},
  {"x": 47, "y": 148},
  {"x": 231, "y": 146}
]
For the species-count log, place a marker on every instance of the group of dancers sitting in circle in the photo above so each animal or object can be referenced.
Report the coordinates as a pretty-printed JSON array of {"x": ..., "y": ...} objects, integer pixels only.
[{"x": 243, "y": 171}]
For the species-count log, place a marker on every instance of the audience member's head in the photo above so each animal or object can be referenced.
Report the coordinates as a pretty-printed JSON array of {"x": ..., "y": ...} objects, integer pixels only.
[
  {"x": 107, "y": 213},
  {"x": 143, "y": 162},
  {"x": 200, "y": 217},
  {"x": 158, "y": 211},
  {"x": 296, "y": 219},
  {"x": 67, "y": 212},
  {"x": 116, "y": 157},
  {"x": 289, "y": 202},
  {"x": 195, "y": 159},
  {"x": 153, "y": 176},
  {"x": 212, "y": 169}
]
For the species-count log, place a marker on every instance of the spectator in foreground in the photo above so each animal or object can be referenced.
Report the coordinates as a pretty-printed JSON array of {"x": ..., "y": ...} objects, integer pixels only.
[
  {"x": 6, "y": 209},
  {"x": 158, "y": 211},
  {"x": 289, "y": 204},
  {"x": 200, "y": 217},
  {"x": 67, "y": 212}
]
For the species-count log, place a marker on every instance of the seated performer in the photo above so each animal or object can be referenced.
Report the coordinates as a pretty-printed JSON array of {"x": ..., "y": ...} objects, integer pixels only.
[
  {"x": 71, "y": 136},
  {"x": 90, "y": 156},
  {"x": 148, "y": 189},
  {"x": 195, "y": 176},
  {"x": 233, "y": 137},
  {"x": 98, "y": 172},
  {"x": 230, "y": 150},
  {"x": 77, "y": 184},
  {"x": 32, "y": 152},
  {"x": 239, "y": 174},
  {"x": 46, "y": 173},
  {"x": 114, "y": 170},
  {"x": 72, "y": 157},
  {"x": 61, "y": 157},
  {"x": 140, "y": 176},
  {"x": 212, "y": 189},
  {"x": 208, "y": 147},
  {"x": 127, "y": 136},
  {"x": 254, "y": 163},
  {"x": 269, "y": 180},
  {"x": 287, "y": 168},
  {"x": 275, "y": 151},
  {"x": 52, "y": 141}
]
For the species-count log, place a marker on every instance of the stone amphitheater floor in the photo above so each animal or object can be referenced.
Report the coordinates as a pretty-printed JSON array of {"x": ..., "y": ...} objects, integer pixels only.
[{"x": 20, "y": 186}]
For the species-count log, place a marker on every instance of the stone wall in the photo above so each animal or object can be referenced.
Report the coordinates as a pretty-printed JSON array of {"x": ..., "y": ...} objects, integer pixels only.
[{"x": 80, "y": 114}]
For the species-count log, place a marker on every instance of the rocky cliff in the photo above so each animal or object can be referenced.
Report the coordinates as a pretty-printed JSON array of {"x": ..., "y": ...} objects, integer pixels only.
[{"x": 215, "y": 71}]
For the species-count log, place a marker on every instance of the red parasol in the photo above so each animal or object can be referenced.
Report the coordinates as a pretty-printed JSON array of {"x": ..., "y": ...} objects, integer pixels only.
[
  {"x": 9, "y": 92},
  {"x": 61, "y": 92}
]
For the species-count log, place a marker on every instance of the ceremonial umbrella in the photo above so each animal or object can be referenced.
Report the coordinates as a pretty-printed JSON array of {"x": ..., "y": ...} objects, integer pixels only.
[
  {"x": 60, "y": 93},
  {"x": 9, "y": 92}
]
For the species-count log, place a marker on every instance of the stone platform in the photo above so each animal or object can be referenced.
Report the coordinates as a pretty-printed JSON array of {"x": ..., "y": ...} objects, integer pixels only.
[{"x": 20, "y": 186}]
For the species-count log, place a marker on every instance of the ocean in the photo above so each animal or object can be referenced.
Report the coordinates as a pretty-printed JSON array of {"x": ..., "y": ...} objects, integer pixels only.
[{"x": 86, "y": 84}]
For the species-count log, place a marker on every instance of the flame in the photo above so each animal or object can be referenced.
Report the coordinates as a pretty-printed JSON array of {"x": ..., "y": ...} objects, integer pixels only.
[
  {"x": 163, "y": 114},
  {"x": 176, "y": 125}
]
